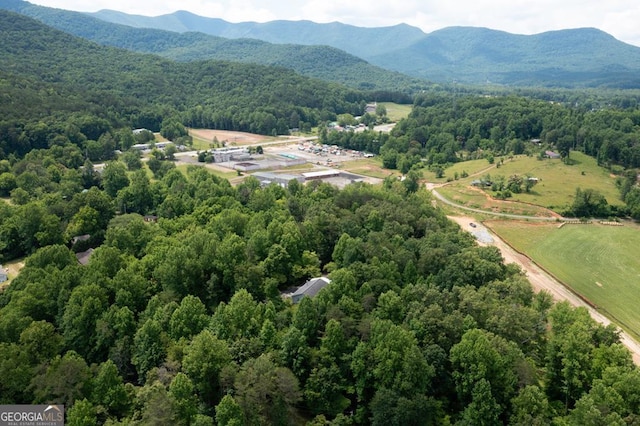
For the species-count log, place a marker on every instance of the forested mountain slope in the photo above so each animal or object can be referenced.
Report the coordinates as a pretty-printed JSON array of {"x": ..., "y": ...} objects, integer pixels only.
[
  {"x": 566, "y": 58},
  {"x": 358, "y": 41},
  {"x": 48, "y": 73},
  {"x": 323, "y": 62},
  {"x": 583, "y": 57},
  {"x": 183, "y": 321}
]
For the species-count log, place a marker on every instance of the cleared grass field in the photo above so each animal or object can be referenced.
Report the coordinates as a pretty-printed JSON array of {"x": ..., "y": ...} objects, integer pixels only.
[
  {"x": 475, "y": 198},
  {"x": 471, "y": 167},
  {"x": 371, "y": 167},
  {"x": 395, "y": 111},
  {"x": 558, "y": 181},
  {"x": 598, "y": 262}
]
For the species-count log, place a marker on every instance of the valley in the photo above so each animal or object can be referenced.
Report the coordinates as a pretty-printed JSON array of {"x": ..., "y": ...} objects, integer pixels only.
[{"x": 206, "y": 230}]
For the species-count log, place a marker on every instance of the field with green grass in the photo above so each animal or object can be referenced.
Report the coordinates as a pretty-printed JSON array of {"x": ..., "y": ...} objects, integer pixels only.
[
  {"x": 371, "y": 167},
  {"x": 599, "y": 262},
  {"x": 557, "y": 181},
  {"x": 471, "y": 167},
  {"x": 395, "y": 111}
]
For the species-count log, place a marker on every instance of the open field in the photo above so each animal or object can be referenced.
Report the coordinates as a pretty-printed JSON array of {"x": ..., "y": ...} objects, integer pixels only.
[
  {"x": 371, "y": 167},
  {"x": 596, "y": 261},
  {"x": 558, "y": 181},
  {"x": 471, "y": 167},
  {"x": 469, "y": 196},
  {"x": 395, "y": 111},
  {"x": 203, "y": 138}
]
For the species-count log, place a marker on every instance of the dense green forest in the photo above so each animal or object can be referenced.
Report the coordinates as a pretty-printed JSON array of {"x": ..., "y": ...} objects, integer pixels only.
[
  {"x": 57, "y": 87},
  {"x": 183, "y": 321}
]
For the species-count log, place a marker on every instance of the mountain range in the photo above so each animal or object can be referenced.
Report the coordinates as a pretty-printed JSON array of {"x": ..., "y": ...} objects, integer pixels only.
[{"x": 369, "y": 58}]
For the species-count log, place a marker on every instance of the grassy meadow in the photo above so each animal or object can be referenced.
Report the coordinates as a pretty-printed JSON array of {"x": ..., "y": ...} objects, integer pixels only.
[
  {"x": 557, "y": 181},
  {"x": 598, "y": 262},
  {"x": 395, "y": 112},
  {"x": 371, "y": 167}
]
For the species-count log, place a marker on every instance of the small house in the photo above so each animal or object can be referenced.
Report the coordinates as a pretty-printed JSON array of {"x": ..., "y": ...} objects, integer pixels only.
[
  {"x": 4, "y": 276},
  {"x": 310, "y": 288}
]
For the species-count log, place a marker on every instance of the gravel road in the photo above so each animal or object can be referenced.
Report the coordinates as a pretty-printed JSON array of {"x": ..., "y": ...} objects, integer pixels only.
[{"x": 540, "y": 279}]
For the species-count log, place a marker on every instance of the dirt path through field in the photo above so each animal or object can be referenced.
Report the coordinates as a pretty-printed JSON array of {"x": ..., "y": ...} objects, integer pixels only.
[{"x": 541, "y": 280}]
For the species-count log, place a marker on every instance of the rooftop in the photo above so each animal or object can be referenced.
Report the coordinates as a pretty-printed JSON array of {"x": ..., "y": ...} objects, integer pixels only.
[{"x": 311, "y": 287}]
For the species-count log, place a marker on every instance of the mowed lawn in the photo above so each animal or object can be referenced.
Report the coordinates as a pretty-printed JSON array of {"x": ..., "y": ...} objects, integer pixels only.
[{"x": 599, "y": 262}]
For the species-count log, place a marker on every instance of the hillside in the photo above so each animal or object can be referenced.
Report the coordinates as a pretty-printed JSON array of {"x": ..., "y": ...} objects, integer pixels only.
[
  {"x": 577, "y": 57},
  {"x": 49, "y": 75},
  {"x": 359, "y": 41},
  {"x": 323, "y": 62},
  {"x": 583, "y": 57}
]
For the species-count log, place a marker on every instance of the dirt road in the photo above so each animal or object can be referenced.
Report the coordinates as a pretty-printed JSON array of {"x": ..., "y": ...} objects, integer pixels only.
[{"x": 541, "y": 280}]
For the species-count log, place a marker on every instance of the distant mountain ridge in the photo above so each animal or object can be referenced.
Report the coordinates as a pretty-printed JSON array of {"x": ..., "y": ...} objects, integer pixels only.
[
  {"x": 323, "y": 62},
  {"x": 351, "y": 39},
  {"x": 583, "y": 57},
  {"x": 566, "y": 58}
]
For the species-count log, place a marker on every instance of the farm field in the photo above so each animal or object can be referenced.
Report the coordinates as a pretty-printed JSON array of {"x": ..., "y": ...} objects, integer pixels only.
[
  {"x": 598, "y": 262},
  {"x": 214, "y": 170},
  {"x": 558, "y": 181}
]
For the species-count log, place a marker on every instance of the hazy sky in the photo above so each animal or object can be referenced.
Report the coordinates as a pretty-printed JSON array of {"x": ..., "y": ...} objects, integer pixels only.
[{"x": 620, "y": 18}]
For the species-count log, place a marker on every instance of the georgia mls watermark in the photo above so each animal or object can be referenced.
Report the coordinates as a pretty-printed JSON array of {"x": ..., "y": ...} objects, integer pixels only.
[{"x": 31, "y": 415}]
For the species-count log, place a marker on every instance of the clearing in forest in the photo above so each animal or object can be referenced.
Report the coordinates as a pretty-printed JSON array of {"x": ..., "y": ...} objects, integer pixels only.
[
  {"x": 557, "y": 182},
  {"x": 202, "y": 138}
]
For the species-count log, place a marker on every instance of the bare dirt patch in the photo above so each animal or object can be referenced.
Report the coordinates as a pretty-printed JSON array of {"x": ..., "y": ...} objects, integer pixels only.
[
  {"x": 232, "y": 138},
  {"x": 13, "y": 269}
]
